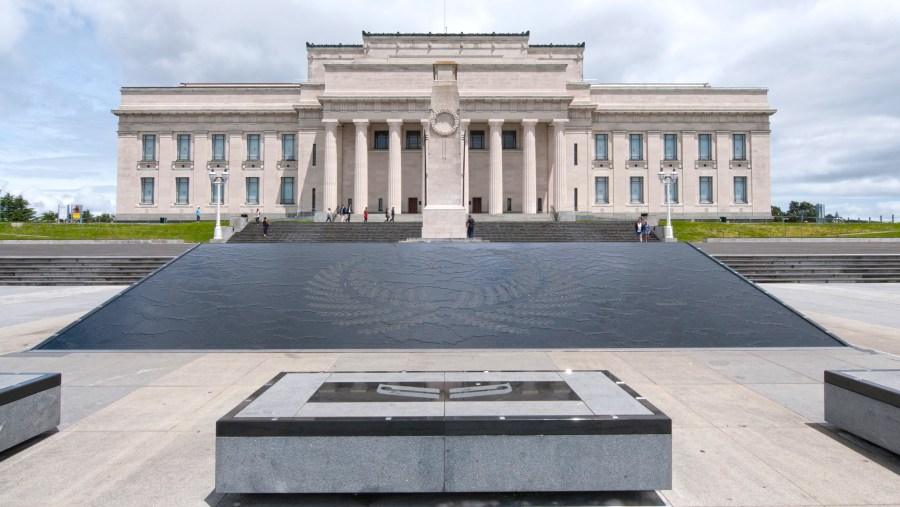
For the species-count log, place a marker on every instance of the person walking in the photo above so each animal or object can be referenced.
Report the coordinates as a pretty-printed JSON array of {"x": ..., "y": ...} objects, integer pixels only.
[
  {"x": 392, "y": 213},
  {"x": 639, "y": 230},
  {"x": 257, "y": 215},
  {"x": 341, "y": 212},
  {"x": 198, "y": 213},
  {"x": 387, "y": 216},
  {"x": 349, "y": 212},
  {"x": 328, "y": 215},
  {"x": 470, "y": 227},
  {"x": 366, "y": 215},
  {"x": 646, "y": 231},
  {"x": 266, "y": 227}
]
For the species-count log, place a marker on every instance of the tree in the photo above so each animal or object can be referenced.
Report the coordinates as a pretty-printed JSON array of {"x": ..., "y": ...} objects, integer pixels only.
[
  {"x": 15, "y": 209},
  {"x": 776, "y": 212},
  {"x": 86, "y": 216},
  {"x": 105, "y": 218},
  {"x": 48, "y": 216},
  {"x": 801, "y": 211}
]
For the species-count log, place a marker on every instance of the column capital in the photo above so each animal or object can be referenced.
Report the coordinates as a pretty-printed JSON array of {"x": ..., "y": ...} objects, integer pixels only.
[
  {"x": 529, "y": 122},
  {"x": 395, "y": 122},
  {"x": 495, "y": 123},
  {"x": 560, "y": 122},
  {"x": 425, "y": 121},
  {"x": 330, "y": 121},
  {"x": 359, "y": 123}
]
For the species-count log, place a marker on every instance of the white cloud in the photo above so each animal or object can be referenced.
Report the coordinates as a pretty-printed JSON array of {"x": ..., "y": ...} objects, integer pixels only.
[{"x": 13, "y": 24}]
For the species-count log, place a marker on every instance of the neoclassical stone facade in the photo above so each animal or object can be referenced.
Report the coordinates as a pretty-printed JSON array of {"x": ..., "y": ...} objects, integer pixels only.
[{"x": 537, "y": 137}]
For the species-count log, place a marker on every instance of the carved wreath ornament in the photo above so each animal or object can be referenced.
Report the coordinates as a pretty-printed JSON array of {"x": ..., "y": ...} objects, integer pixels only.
[{"x": 444, "y": 121}]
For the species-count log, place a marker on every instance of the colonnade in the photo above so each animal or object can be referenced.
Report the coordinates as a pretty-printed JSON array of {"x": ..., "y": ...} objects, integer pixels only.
[{"x": 557, "y": 170}]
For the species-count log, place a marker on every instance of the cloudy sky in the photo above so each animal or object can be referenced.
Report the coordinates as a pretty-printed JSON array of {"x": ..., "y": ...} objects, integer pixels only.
[{"x": 831, "y": 68}]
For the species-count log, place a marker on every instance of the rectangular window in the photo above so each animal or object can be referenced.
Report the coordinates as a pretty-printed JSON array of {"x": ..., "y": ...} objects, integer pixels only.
[
  {"x": 287, "y": 191},
  {"x": 218, "y": 141},
  {"x": 381, "y": 204},
  {"x": 146, "y": 190},
  {"x": 601, "y": 147},
  {"x": 509, "y": 139},
  {"x": 636, "y": 147},
  {"x": 382, "y": 141},
  {"x": 314, "y": 200},
  {"x": 181, "y": 190},
  {"x": 253, "y": 190},
  {"x": 509, "y": 204},
  {"x": 288, "y": 147},
  {"x": 705, "y": 144},
  {"x": 673, "y": 192},
  {"x": 671, "y": 147},
  {"x": 184, "y": 147},
  {"x": 314, "y": 155},
  {"x": 413, "y": 140},
  {"x": 252, "y": 146},
  {"x": 601, "y": 190},
  {"x": 576, "y": 154},
  {"x": 476, "y": 140},
  {"x": 214, "y": 193},
  {"x": 637, "y": 189},
  {"x": 575, "y": 200},
  {"x": 149, "y": 150},
  {"x": 740, "y": 190},
  {"x": 740, "y": 152},
  {"x": 706, "y": 190}
]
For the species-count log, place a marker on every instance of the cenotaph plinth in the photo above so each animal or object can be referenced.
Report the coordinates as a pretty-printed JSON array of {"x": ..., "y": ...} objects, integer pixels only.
[{"x": 444, "y": 216}]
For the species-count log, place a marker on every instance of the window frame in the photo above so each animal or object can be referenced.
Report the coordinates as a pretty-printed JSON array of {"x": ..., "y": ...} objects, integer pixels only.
[
  {"x": 640, "y": 144},
  {"x": 673, "y": 193},
  {"x": 183, "y": 140},
  {"x": 250, "y": 156},
  {"x": 742, "y": 144},
  {"x": 477, "y": 134},
  {"x": 605, "y": 144},
  {"x": 745, "y": 192},
  {"x": 673, "y": 155},
  {"x": 187, "y": 190},
  {"x": 709, "y": 149},
  {"x": 247, "y": 188},
  {"x": 144, "y": 187},
  {"x": 289, "y": 155},
  {"x": 410, "y": 135},
  {"x": 506, "y": 136},
  {"x": 605, "y": 180},
  {"x": 381, "y": 140},
  {"x": 224, "y": 142},
  {"x": 213, "y": 194},
  {"x": 631, "y": 187},
  {"x": 709, "y": 181},
  {"x": 284, "y": 184},
  {"x": 148, "y": 141}
]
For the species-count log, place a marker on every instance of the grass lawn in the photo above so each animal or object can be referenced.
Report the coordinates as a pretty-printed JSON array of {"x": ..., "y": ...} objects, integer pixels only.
[
  {"x": 698, "y": 231},
  {"x": 190, "y": 232}
]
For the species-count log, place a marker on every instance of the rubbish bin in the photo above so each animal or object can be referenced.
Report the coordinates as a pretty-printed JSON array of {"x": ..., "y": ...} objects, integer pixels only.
[
  {"x": 723, "y": 219},
  {"x": 163, "y": 220}
]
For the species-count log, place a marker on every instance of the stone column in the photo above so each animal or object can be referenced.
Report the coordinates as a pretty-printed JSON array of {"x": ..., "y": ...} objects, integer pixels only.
[
  {"x": 464, "y": 135},
  {"x": 330, "y": 198},
  {"x": 394, "y": 165},
  {"x": 361, "y": 167},
  {"x": 529, "y": 168},
  {"x": 496, "y": 187},
  {"x": 560, "y": 184}
]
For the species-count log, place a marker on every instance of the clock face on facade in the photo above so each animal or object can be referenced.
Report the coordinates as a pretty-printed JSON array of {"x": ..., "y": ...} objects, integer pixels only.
[{"x": 444, "y": 121}]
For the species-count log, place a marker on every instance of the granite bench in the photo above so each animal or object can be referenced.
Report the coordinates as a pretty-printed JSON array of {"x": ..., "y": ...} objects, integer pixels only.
[
  {"x": 419, "y": 432},
  {"x": 29, "y": 406},
  {"x": 865, "y": 403}
]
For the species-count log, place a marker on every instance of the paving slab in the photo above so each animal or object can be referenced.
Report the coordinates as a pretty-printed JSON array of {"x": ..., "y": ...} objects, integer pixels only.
[
  {"x": 733, "y": 405},
  {"x": 747, "y": 368}
]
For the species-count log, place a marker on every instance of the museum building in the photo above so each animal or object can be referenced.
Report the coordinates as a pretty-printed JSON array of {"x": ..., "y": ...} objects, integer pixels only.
[{"x": 536, "y": 137}]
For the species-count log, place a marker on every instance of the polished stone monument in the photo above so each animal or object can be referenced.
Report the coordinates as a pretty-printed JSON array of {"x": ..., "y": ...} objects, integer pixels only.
[
  {"x": 427, "y": 432},
  {"x": 29, "y": 406},
  {"x": 444, "y": 216},
  {"x": 865, "y": 403}
]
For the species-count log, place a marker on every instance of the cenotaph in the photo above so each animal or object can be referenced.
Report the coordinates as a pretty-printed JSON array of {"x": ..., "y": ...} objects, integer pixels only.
[{"x": 444, "y": 216}]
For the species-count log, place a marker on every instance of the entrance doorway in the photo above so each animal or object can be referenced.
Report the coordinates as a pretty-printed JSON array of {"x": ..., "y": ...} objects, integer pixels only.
[
  {"x": 412, "y": 205},
  {"x": 476, "y": 205}
]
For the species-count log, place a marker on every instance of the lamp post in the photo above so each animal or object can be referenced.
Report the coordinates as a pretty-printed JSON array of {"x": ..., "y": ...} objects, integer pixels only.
[
  {"x": 218, "y": 181},
  {"x": 667, "y": 180}
]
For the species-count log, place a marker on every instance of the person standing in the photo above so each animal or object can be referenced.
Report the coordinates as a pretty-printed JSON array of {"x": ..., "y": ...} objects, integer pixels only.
[
  {"x": 198, "y": 213},
  {"x": 266, "y": 227},
  {"x": 646, "y": 231},
  {"x": 349, "y": 212},
  {"x": 366, "y": 215},
  {"x": 328, "y": 215},
  {"x": 470, "y": 227},
  {"x": 639, "y": 229},
  {"x": 257, "y": 215},
  {"x": 392, "y": 213}
]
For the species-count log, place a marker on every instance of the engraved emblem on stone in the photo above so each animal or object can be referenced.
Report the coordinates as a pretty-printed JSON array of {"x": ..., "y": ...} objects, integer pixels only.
[
  {"x": 444, "y": 121},
  {"x": 478, "y": 391},
  {"x": 409, "y": 391}
]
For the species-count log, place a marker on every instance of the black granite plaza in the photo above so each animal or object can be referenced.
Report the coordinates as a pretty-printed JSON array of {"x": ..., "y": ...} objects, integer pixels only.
[{"x": 441, "y": 296}]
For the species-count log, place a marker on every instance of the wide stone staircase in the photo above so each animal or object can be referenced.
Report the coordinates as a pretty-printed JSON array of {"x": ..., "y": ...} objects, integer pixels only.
[
  {"x": 825, "y": 268},
  {"x": 93, "y": 270},
  {"x": 380, "y": 232}
]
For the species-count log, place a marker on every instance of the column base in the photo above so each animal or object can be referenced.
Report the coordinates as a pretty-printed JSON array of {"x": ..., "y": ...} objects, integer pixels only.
[{"x": 443, "y": 222}]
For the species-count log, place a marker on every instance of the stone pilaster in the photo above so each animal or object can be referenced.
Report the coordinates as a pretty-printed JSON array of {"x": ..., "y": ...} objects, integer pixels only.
[
  {"x": 361, "y": 167},
  {"x": 496, "y": 187},
  {"x": 560, "y": 174},
  {"x": 394, "y": 165},
  {"x": 464, "y": 138},
  {"x": 529, "y": 168}
]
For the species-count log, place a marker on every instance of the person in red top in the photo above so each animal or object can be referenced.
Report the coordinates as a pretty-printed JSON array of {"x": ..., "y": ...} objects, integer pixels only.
[{"x": 366, "y": 215}]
